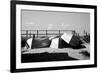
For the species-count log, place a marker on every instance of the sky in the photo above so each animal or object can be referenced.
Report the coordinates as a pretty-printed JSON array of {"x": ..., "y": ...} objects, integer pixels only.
[{"x": 55, "y": 20}]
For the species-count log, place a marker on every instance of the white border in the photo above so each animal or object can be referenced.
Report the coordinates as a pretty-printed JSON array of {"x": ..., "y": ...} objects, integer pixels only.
[{"x": 20, "y": 65}]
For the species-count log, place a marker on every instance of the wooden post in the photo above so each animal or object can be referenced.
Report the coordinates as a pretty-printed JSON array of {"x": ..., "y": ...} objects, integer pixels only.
[
  {"x": 26, "y": 33},
  {"x": 46, "y": 33},
  {"x": 37, "y": 33},
  {"x": 30, "y": 34},
  {"x": 86, "y": 33},
  {"x": 73, "y": 32},
  {"x": 59, "y": 33},
  {"x": 78, "y": 35},
  {"x": 33, "y": 36}
]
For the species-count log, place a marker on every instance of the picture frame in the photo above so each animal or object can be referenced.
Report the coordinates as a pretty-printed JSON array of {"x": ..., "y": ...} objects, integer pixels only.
[{"x": 16, "y": 22}]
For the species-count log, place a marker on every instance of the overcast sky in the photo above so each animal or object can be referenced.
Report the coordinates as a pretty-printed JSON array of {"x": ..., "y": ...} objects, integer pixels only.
[{"x": 50, "y": 20}]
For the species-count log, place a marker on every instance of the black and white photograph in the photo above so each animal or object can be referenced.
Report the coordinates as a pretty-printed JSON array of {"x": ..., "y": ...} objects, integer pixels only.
[{"x": 54, "y": 35}]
